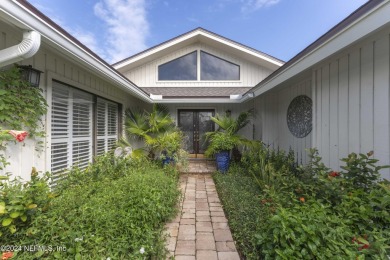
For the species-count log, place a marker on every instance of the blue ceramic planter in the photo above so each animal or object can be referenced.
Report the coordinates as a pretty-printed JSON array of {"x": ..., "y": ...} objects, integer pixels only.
[
  {"x": 223, "y": 160},
  {"x": 167, "y": 160}
]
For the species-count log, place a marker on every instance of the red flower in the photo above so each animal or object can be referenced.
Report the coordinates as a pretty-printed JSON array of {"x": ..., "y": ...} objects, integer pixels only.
[
  {"x": 19, "y": 135},
  {"x": 366, "y": 246},
  {"x": 302, "y": 199},
  {"x": 334, "y": 174},
  {"x": 7, "y": 255}
]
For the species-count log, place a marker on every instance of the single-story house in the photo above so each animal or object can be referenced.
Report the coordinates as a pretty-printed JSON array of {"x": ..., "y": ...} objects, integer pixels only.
[{"x": 334, "y": 95}]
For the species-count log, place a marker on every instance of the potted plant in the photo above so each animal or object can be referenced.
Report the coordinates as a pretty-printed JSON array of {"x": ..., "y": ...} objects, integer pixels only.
[
  {"x": 169, "y": 144},
  {"x": 220, "y": 145},
  {"x": 226, "y": 138}
]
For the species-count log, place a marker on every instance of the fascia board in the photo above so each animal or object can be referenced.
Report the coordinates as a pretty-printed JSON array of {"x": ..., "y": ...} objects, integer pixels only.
[
  {"x": 23, "y": 17},
  {"x": 198, "y": 101},
  {"x": 193, "y": 35},
  {"x": 241, "y": 48},
  {"x": 155, "y": 50},
  {"x": 359, "y": 29}
]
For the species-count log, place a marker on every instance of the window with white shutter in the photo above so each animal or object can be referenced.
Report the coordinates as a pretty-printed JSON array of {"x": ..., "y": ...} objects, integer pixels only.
[
  {"x": 71, "y": 124},
  {"x": 107, "y": 125},
  {"x": 72, "y": 128}
]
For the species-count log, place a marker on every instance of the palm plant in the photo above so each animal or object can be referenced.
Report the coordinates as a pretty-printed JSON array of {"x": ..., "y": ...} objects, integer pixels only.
[
  {"x": 148, "y": 127},
  {"x": 231, "y": 125},
  {"x": 227, "y": 133}
]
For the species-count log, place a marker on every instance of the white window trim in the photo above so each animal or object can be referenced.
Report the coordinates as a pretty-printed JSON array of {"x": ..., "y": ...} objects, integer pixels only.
[
  {"x": 198, "y": 69},
  {"x": 92, "y": 138}
]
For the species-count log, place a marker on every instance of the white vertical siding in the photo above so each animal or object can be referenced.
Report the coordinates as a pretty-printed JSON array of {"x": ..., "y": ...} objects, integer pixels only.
[
  {"x": 271, "y": 127},
  {"x": 220, "y": 109},
  {"x": 343, "y": 107},
  {"x": 24, "y": 157},
  {"x": 146, "y": 75},
  {"x": 352, "y": 102}
]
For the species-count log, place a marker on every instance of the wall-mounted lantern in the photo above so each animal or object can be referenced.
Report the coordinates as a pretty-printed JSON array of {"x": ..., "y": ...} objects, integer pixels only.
[
  {"x": 228, "y": 112},
  {"x": 30, "y": 74}
]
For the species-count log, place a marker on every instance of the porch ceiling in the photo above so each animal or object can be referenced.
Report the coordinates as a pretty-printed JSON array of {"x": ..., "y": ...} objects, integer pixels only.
[{"x": 196, "y": 92}]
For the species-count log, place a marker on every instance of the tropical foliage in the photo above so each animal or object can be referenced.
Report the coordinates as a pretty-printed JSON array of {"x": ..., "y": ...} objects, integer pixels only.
[
  {"x": 115, "y": 209},
  {"x": 21, "y": 107},
  {"x": 226, "y": 136},
  {"x": 156, "y": 129},
  {"x": 308, "y": 212}
]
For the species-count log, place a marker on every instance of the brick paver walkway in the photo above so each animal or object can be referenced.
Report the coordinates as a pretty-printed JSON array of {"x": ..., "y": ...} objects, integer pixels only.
[{"x": 200, "y": 231}]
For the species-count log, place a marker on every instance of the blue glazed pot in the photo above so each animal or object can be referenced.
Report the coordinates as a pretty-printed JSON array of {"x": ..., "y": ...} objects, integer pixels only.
[
  {"x": 223, "y": 160},
  {"x": 167, "y": 160}
]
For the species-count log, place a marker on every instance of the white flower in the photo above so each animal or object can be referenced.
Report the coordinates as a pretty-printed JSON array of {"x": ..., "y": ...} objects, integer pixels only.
[
  {"x": 78, "y": 239},
  {"x": 142, "y": 250},
  {"x": 108, "y": 258},
  {"x": 118, "y": 152},
  {"x": 128, "y": 151}
]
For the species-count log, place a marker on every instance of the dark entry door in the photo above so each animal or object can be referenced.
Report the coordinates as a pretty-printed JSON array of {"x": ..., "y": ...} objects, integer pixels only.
[{"x": 194, "y": 124}]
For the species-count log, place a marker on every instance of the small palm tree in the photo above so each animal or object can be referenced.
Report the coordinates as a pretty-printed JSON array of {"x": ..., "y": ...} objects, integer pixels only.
[
  {"x": 149, "y": 126},
  {"x": 228, "y": 128},
  {"x": 231, "y": 125}
]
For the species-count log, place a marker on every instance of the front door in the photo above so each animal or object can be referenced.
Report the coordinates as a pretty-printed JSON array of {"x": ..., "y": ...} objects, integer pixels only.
[{"x": 194, "y": 124}]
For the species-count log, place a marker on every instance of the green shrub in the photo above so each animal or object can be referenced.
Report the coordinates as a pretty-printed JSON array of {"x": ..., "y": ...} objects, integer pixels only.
[
  {"x": 20, "y": 202},
  {"x": 307, "y": 212},
  {"x": 310, "y": 207},
  {"x": 361, "y": 171},
  {"x": 306, "y": 231},
  {"x": 240, "y": 198},
  {"x": 269, "y": 167},
  {"x": 113, "y": 209}
]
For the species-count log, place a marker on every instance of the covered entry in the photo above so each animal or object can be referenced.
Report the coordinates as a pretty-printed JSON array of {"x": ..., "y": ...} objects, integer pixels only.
[{"x": 195, "y": 123}]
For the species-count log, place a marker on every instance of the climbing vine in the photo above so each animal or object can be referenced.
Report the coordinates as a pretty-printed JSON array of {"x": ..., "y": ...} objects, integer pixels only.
[{"x": 21, "y": 108}]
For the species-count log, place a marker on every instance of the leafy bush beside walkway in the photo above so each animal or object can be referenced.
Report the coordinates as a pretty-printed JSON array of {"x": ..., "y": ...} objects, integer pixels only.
[
  {"x": 116, "y": 209},
  {"x": 307, "y": 213},
  {"x": 238, "y": 194}
]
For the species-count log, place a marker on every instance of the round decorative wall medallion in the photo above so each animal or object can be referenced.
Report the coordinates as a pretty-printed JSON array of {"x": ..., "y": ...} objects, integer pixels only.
[{"x": 299, "y": 116}]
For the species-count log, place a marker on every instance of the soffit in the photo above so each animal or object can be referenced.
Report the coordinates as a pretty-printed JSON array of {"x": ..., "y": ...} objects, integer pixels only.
[{"x": 204, "y": 92}]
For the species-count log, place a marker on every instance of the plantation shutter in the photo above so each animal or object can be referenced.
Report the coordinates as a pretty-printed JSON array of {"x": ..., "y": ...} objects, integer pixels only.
[
  {"x": 71, "y": 128},
  {"x": 60, "y": 131},
  {"x": 82, "y": 128},
  {"x": 107, "y": 125}
]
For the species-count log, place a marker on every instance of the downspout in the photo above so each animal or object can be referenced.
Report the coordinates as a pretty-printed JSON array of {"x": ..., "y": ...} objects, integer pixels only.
[{"x": 24, "y": 50}]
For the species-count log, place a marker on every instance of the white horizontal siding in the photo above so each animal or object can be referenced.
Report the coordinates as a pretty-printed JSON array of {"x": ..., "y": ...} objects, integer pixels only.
[
  {"x": 146, "y": 75},
  {"x": 352, "y": 102}
]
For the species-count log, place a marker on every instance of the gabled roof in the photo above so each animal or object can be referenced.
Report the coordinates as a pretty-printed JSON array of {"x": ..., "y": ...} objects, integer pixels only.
[
  {"x": 368, "y": 18},
  {"x": 203, "y": 36},
  {"x": 25, "y": 16}
]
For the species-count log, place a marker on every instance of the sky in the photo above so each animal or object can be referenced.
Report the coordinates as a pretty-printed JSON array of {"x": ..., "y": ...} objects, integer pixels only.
[{"x": 117, "y": 29}]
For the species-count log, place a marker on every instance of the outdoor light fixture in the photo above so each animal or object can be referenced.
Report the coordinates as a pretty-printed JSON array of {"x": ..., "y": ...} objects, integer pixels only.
[
  {"x": 28, "y": 73},
  {"x": 228, "y": 112}
]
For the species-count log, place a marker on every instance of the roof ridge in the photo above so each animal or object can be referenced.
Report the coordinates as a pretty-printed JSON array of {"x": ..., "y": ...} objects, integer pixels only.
[{"x": 192, "y": 31}]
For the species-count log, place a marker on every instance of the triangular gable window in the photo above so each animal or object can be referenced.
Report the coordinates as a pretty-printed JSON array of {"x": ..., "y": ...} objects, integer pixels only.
[
  {"x": 183, "y": 68},
  {"x": 212, "y": 68}
]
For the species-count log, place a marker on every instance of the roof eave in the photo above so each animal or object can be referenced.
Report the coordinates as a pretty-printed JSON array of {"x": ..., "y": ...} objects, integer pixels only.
[
  {"x": 19, "y": 14},
  {"x": 199, "y": 34},
  {"x": 365, "y": 24},
  {"x": 197, "y": 100}
]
